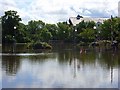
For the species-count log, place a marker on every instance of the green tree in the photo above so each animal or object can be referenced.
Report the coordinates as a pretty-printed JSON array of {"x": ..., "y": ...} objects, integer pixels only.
[
  {"x": 81, "y": 26},
  {"x": 106, "y": 30},
  {"x": 90, "y": 24},
  {"x": 22, "y": 36},
  {"x": 10, "y": 22},
  {"x": 52, "y": 28},
  {"x": 110, "y": 29},
  {"x": 64, "y": 31},
  {"x": 116, "y": 28},
  {"x": 34, "y": 29},
  {"x": 83, "y": 31},
  {"x": 88, "y": 35},
  {"x": 45, "y": 35}
]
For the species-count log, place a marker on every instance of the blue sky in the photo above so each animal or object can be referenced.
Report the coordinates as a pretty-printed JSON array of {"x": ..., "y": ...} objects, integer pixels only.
[{"x": 53, "y": 11}]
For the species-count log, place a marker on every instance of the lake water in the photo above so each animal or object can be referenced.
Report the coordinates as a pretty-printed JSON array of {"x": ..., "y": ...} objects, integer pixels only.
[{"x": 62, "y": 67}]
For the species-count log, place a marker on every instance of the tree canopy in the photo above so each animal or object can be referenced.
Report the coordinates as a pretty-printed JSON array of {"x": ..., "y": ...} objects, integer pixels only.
[
  {"x": 10, "y": 23},
  {"x": 39, "y": 31}
]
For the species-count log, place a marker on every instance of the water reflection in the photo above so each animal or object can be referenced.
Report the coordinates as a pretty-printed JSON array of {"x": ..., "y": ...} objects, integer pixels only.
[
  {"x": 11, "y": 64},
  {"x": 63, "y": 68}
]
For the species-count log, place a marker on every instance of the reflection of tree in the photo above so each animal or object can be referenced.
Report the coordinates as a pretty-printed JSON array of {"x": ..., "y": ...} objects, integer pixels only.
[
  {"x": 75, "y": 59},
  {"x": 78, "y": 61},
  {"x": 104, "y": 58},
  {"x": 11, "y": 64},
  {"x": 75, "y": 67},
  {"x": 8, "y": 48},
  {"x": 87, "y": 58},
  {"x": 111, "y": 72},
  {"x": 68, "y": 57},
  {"x": 109, "y": 59},
  {"x": 42, "y": 57},
  {"x": 64, "y": 56}
]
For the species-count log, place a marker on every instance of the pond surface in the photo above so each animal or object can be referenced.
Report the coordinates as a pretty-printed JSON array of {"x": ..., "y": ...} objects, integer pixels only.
[{"x": 62, "y": 67}]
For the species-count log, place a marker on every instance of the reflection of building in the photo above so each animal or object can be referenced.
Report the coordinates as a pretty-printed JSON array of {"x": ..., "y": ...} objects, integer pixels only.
[{"x": 119, "y": 9}]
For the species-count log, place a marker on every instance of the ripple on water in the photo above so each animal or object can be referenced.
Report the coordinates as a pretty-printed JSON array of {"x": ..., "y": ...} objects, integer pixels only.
[{"x": 21, "y": 54}]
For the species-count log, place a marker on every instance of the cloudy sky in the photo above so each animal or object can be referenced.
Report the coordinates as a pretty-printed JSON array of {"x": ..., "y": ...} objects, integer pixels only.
[{"x": 53, "y": 11}]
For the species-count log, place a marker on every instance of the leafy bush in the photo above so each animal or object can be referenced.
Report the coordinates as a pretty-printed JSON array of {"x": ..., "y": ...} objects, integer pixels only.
[
  {"x": 82, "y": 44},
  {"x": 39, "y": 45}
]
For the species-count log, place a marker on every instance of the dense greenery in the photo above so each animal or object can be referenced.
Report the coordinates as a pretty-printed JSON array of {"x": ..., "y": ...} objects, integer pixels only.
[
  {"x": 10, "y": 23},
  {"x": 110, "y": 29},
  {"x": 39, "y": 31},
  {"x": 39, "y": 45}
]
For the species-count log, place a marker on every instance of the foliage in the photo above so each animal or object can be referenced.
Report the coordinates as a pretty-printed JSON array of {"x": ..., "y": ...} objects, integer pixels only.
[
  {"x": 85, "y": 32},
  {"x": 10, "y": 23},
  {"x": 38, "y": 31},
  {"x": 64, "y": 31},
  {"x": 34, "y": 29},
  {"x": 22, "y": 36},
  {"x": 45, "y": 35},
  {"x": 106, "y": 30},
  {"x": 87, "y": 35},
  {"x": 39, "y": 45},
  {"x": 52, "y": 28},
  {"x": 83, "y": 25},
  {"x": 81, "y": 43},
  {"x": 111, "y": 29}
]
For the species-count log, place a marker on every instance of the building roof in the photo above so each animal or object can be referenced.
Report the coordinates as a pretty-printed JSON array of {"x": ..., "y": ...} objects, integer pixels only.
[{"x": 76, "y": 21}]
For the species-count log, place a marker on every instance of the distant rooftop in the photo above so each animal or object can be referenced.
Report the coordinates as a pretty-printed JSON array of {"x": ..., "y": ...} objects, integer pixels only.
[{"x": 75, "y": 21}]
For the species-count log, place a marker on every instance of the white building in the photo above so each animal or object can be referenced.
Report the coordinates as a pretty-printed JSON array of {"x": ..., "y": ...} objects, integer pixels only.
[{"x": 74, "y": 20}]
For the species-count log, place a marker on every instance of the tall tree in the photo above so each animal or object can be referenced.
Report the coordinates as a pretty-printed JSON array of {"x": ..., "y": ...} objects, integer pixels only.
[
  {"x": 52, "y": 28},
  {"x": 45, "y": 35},
  {"x": 10, "y": 22},
  {"x": 88, "y": 35},
  {"x": 34, "y": 29},
  {"x": 110, "y": 29},
  {"x": 22, "y": 36},
  {"x": 106, "y": 30},
  {"x": 64, "y": 31}
]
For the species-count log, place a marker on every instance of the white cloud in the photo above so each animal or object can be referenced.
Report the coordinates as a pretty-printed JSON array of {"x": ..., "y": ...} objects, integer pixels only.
[
  {"x": 52, "y": 11},
  {"x": 51, "y": 73}
]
